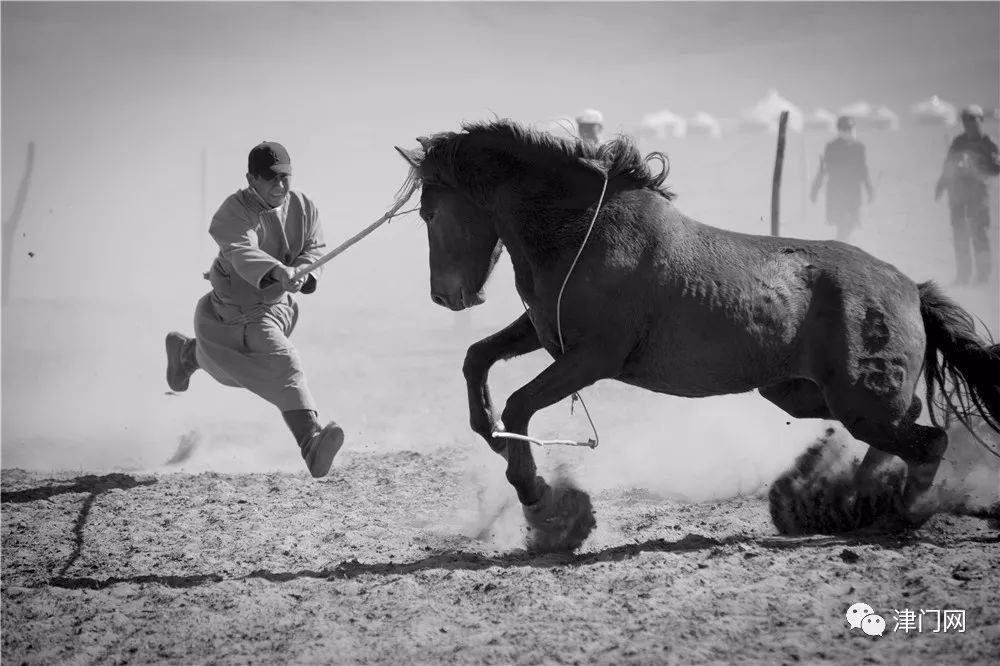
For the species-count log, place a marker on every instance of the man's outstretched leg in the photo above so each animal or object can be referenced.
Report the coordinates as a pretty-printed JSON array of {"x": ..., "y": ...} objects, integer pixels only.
[
  {"x": 181, "y": 361},
  {"x": 319, "y": 445}
]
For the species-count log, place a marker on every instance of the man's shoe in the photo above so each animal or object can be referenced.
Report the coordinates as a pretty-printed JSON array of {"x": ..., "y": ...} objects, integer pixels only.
[
  {"x": 321, "y": 448},
  {"x": 180, "y": 362}
]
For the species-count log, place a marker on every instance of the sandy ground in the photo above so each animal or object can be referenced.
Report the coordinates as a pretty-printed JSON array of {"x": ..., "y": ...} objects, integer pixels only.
[{"x": 392, "y": 559}]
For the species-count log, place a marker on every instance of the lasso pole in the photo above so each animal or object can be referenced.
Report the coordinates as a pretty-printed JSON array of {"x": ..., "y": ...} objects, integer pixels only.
[
  {"x": 776, "y": 182},
  {"x": 309, "y": 268}
]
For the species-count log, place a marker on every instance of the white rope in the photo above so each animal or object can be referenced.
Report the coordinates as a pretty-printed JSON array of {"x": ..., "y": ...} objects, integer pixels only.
[
  {"x": 592, "y": 443},
  {"x": 573, "y": 265}
]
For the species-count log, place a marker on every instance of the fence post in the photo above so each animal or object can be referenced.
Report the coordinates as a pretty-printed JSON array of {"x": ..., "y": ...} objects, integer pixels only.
[{"x": 776, "y": 183}]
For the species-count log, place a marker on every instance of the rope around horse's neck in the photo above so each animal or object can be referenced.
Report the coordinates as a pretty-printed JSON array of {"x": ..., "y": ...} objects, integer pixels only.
[
  {"x": 562, "y": 347},
  {"x": 593, "y": 220}
]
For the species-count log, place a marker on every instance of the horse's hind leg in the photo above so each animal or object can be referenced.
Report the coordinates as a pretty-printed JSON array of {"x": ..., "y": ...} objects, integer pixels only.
[
  {"x": 871, "y": 419},
  {"x": 874, "y": 457},
  {"x": 893, "y": 431}
]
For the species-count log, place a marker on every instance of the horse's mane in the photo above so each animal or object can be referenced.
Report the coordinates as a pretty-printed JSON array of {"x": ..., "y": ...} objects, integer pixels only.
[{"x": 619, "y": 157}]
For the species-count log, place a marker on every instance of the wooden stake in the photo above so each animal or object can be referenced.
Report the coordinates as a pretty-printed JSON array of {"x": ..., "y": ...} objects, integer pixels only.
[
  {"x": 10, "y": 225},
  {"x": 776, "y": 183}
]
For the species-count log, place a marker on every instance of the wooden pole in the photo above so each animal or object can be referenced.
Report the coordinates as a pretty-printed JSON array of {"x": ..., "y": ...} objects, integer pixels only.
[
  {"x": 10, "y": 225},
  {"x": 776, "y": 183},
  {"x": 804, "y": 190},
  {"x": 306, "y": 270}
]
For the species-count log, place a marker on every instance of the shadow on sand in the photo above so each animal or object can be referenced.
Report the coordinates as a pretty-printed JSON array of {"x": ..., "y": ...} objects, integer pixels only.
[
  {"x": 92, "y": 484},
  {"x": 463, "y": 560}
]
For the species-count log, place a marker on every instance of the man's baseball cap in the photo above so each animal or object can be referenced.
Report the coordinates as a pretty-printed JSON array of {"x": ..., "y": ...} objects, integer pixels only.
[
  {"x": 268, "y": 158},
  {"x": 590, "y": 117},
  {"x": 973, "y": 111}
]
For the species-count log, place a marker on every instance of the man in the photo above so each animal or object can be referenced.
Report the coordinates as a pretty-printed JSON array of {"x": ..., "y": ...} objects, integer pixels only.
[
  {"x": 264, "y": 232},
  {"x": 971, "y": 160},
  {"x": 590, "y": 123},
  {"x": 844, "y": 167}
]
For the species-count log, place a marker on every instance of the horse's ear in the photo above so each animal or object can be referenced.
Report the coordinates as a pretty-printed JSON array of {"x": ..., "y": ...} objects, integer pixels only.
[
  {"x": 424, "y": 142},
  {"x": 414, "y": 157}
]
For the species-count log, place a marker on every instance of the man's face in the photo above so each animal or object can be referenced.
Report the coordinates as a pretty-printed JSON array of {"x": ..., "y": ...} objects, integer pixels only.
[
  {"x": 272, "y": 188},
  {"x": 973, "y": 124}
]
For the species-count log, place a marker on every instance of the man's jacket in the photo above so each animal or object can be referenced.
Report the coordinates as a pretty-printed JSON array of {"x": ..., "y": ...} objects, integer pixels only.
[
  {"x": 970, "y": 161},
  {"x": 254, "y": 238}
]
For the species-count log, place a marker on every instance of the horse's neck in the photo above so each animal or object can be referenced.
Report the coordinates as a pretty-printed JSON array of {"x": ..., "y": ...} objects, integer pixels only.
[
  {"x": 524, "y": 273},
  {"x": 539, "y": 249},
  {"x": 542, "y": 245}
]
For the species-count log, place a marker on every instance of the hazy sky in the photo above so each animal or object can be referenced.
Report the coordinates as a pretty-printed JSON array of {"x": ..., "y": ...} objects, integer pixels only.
[{"x": 124, "y": 99}]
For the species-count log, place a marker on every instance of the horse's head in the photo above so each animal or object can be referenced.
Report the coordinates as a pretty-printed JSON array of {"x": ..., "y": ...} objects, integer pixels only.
[{"x": 464, "y": 243}]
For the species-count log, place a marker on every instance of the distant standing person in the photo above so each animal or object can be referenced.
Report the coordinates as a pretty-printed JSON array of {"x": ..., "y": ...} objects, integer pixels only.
[
  {"x": 590, "y": 124},
  {"x": 265, "y": 232},
  {"x": 844, "y": 169},
  {"x": 971, "y": 160}
]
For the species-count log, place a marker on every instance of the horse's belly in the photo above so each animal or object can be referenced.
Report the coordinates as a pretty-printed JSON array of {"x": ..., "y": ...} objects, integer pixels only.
[
  {"x": 696, "y": 372},
  {"x": 687, "y": 387}
]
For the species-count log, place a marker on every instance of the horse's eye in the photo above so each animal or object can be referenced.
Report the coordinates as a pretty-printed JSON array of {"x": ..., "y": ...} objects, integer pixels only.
[{"x": 428, "y": 215}]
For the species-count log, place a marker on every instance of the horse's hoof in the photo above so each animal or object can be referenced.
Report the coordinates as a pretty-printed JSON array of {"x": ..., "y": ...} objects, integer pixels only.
[
  {"x": 561, "y": 521},
  {"x": 918, "y": 507},
  {"x": 920, "y": 501},
  {"x": 829, "y": 496}
]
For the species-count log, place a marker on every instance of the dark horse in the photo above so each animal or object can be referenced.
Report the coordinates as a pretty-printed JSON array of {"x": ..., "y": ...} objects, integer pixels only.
[{"x": 658, "y": 300}]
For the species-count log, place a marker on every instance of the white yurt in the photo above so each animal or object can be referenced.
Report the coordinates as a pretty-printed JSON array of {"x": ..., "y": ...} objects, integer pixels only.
[
  {"x": 704, "y": 124},
  {"x": 663, "y": 124},
  {"x": 764, "y": 115},
  {"x": 867, "y": 116},
  {"x": 886, "y": 118},
  {"x": 820, "y": 119},
  {"x": 934, "y": 111}
]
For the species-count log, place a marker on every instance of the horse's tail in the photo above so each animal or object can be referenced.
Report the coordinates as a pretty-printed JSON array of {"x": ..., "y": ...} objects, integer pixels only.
[{"x": 968, "y": 364}]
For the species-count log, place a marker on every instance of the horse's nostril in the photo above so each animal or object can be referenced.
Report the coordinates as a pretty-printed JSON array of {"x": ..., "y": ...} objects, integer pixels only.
[{"x": 438, "y": 299}]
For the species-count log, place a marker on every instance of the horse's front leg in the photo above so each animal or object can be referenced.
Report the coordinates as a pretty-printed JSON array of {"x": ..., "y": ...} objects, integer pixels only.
[
  {"x": 561, "y": 518},
  {"x": 516, "y": 339}
]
